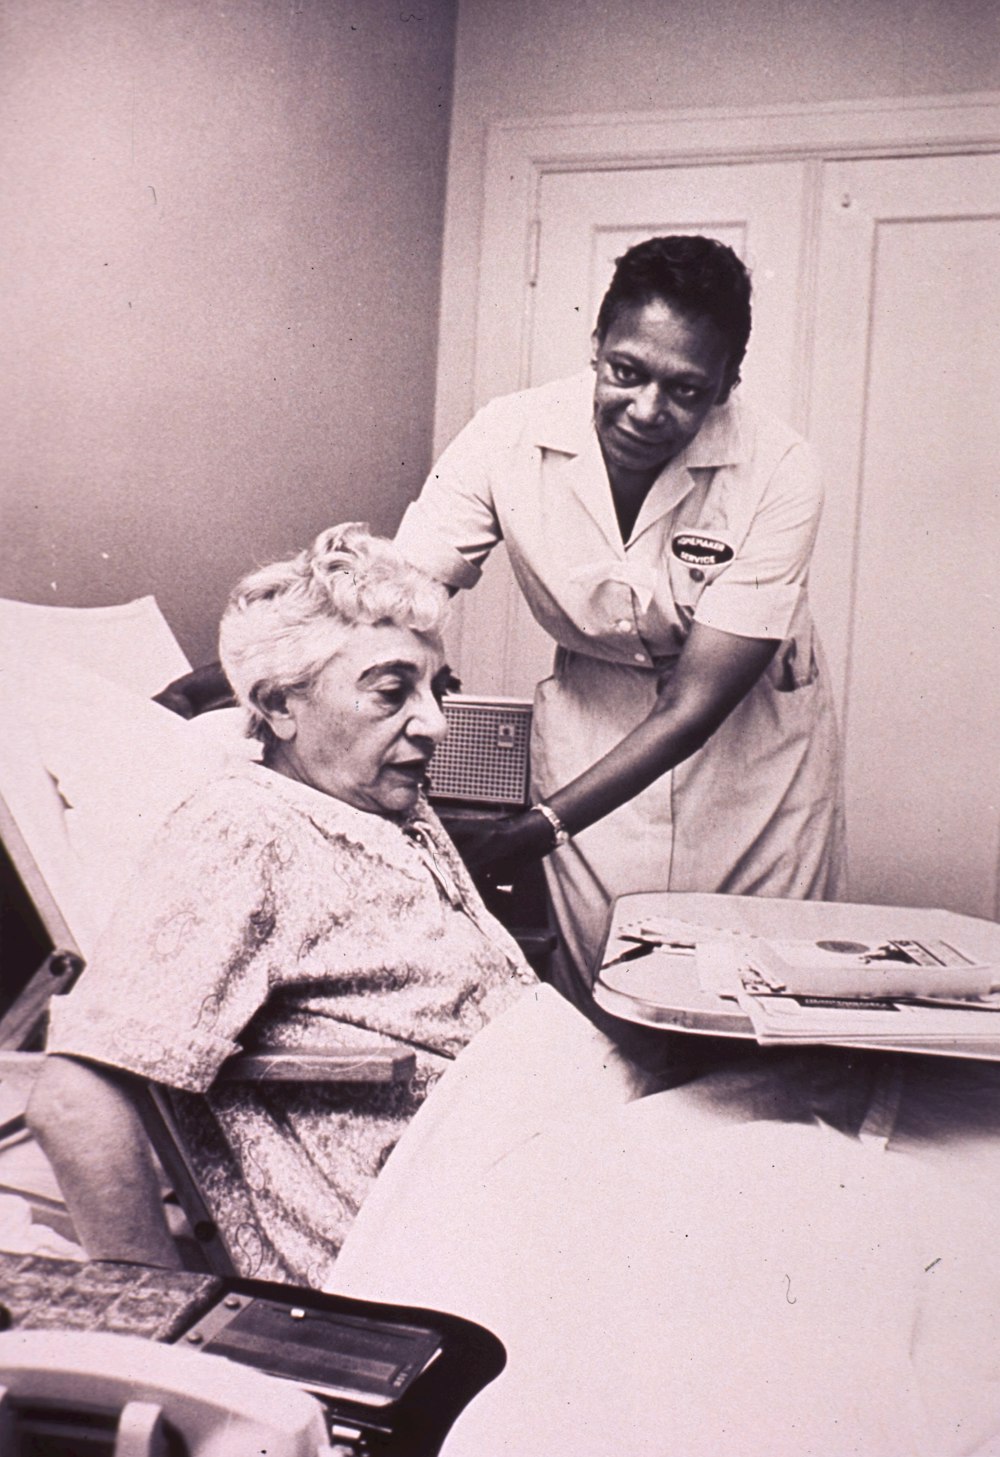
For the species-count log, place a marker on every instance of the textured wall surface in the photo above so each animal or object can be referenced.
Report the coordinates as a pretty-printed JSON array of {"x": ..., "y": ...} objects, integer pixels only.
[{"x": 222, "y": 246}]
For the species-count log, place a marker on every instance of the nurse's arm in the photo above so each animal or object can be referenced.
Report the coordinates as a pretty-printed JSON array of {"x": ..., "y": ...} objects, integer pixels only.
[
  {"x": 714, "y": 672},
  {"x": 85, "y": 1119}
]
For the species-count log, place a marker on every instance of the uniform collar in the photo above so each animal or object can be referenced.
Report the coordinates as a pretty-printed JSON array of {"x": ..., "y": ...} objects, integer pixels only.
[
  {"x": 566, "y": 421},
  {"x": 721, "y": 441},
  {"x": 565, "y": 424}
]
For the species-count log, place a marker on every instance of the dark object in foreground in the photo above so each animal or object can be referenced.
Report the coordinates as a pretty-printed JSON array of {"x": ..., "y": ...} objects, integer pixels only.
[{"x": 392, "y": 1379}]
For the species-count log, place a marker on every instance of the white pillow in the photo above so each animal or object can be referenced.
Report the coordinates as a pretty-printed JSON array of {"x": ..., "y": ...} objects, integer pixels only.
[
  {"x": 129, "y": 642},
  {"x": 119, "y": 763}
]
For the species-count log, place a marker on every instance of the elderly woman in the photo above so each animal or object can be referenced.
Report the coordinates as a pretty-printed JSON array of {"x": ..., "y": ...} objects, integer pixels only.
[{"x": 308, "y": 898}]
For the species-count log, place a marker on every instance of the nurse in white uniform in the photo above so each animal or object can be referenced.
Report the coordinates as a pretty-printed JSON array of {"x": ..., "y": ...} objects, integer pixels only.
[{"x": 661, "y": 531}]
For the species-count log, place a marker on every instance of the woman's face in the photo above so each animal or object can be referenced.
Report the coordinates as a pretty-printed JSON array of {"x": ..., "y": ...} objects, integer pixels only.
[
  {"x": 659, "y": 372},
  {"x": 365, "y": 729}
]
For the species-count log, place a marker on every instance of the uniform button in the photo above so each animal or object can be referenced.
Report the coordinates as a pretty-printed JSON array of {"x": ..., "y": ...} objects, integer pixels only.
[
  {"x": 639, "y": 657},
  {"x": 624, "y": 625},
  {"x": 697, "y": 575}
]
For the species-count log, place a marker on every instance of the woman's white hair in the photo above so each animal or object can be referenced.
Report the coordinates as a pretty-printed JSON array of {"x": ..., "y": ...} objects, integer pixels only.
[{"x": 284, "y": 622}]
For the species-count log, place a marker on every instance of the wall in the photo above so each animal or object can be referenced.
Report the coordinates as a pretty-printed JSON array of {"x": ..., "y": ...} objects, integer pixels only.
[
  {"x": 547, "y": 57},
  {"x": 222, "y": 235}
]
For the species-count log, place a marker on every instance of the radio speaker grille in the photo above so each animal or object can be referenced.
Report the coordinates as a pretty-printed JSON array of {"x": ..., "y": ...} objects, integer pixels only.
[{"x": 483, "y": 758}]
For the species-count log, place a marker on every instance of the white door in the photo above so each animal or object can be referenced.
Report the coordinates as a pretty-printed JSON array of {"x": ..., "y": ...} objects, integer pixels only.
[
  {"x": 584, "y": 221},
  {"x": 906, "y": 582}
]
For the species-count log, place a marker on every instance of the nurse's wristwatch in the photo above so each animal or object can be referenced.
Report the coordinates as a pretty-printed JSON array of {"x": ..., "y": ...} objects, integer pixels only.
[{"x": 559, "y": 831}]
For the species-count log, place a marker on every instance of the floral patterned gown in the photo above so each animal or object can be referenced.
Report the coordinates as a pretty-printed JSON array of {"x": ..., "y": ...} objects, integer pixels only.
[{"x": 269, "y": 913}]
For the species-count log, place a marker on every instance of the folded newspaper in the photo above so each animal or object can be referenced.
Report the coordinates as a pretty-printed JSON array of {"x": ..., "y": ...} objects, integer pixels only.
[
  {"x": 893, "y": 1022},
  {"x": 912, "y": 993},
  {"x": 895, "y": 992}
]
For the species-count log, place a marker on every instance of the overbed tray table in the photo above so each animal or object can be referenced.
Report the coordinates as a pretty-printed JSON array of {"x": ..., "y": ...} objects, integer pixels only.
[{"x": 663, "y": 990}]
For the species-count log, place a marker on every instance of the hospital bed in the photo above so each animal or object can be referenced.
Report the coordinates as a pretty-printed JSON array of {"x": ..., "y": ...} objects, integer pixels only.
[{"x": 688, "y": 1278}]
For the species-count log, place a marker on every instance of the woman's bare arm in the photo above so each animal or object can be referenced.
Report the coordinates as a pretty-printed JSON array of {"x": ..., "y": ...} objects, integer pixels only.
[
  {"x": 715, "y": 672},
  {"x": 85, "y": 1119}
]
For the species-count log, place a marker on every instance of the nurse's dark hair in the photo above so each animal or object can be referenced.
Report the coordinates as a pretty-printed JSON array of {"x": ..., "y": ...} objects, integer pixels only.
[{"x": 699, "y": 276}]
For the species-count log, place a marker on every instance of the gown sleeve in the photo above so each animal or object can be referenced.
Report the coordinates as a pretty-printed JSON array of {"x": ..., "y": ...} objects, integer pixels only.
[{"x": 190, "y": 954}]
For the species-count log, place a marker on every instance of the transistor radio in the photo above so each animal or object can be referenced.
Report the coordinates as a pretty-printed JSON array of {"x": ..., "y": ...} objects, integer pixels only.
[{"x": 483, "y": 758}]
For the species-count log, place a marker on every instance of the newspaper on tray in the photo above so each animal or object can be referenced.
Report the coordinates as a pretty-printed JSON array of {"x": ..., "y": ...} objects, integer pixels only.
[
  {"x": 892, "y": 991},
  {"x": 893, "y": 1022},
  {"x": 899, "y": 992}
]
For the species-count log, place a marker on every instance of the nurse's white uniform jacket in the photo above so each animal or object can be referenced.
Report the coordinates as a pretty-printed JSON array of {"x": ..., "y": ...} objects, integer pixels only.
[{"x": 724, "y": 537}]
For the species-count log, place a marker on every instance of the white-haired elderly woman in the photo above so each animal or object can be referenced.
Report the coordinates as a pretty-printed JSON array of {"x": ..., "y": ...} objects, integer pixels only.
[{"x": 308, "y": 898}]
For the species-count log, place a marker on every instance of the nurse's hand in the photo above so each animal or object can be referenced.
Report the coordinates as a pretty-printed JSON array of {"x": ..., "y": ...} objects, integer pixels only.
[{"x": 502, "y": 846}]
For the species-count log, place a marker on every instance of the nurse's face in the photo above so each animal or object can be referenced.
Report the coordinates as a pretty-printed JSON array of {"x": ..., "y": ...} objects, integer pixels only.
[{"x": 659, "y": 372}]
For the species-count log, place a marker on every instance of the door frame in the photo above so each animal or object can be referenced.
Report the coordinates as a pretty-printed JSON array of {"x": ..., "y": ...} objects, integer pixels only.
[{"x": 521, "y": 150}]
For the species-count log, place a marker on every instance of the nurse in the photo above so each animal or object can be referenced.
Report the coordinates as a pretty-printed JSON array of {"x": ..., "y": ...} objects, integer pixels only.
[{"x": 660, "y": 529}]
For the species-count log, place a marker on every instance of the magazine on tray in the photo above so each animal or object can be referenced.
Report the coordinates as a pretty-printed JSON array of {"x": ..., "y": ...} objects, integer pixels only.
[
  {"x": 888, "y": 990},
  {"x": 899, "y": 967},
  {"x": 897, "y": 991}
]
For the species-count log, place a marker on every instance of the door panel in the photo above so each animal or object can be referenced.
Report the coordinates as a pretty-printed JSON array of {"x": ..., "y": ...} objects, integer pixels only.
[
  {"x": 905, "y": 409},
  {"x": 586, "y": 220}
]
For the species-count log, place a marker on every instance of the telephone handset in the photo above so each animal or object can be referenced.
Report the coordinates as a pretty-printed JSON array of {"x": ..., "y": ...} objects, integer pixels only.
[{"x": 122, "y": 1396}]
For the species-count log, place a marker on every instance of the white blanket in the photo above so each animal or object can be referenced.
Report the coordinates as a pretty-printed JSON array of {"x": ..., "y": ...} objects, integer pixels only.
[{"x": 671, "y": 1280}]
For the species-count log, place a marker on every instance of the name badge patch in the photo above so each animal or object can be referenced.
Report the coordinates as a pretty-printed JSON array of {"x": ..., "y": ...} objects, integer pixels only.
[{"x": 701, "y": 551}]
